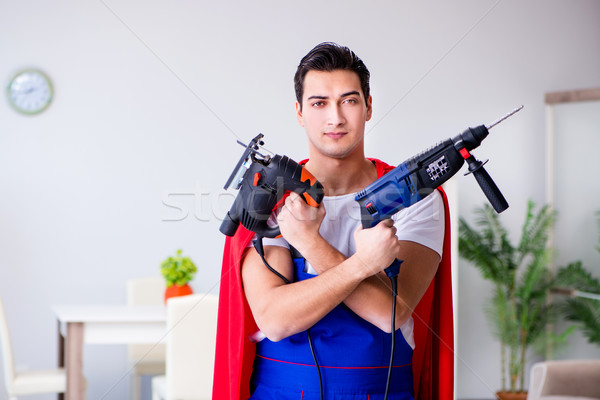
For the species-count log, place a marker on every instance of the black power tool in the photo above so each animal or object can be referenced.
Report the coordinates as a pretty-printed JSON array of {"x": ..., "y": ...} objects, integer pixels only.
[{"x": 262, "y": 182}]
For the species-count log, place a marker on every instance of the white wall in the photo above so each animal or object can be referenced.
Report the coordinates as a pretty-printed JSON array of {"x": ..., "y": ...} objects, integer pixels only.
[{"x": 151, "y": 96}]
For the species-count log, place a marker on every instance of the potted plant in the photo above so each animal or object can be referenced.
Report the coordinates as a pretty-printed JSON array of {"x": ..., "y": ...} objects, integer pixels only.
[
  {"x": 518, "y": 310},
  {"x": 178, "y": 271}
]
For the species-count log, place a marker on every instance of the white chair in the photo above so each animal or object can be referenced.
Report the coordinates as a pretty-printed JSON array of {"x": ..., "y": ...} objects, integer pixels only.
[
  {"x": 27, "y": 382},
  {"x": 145, "y": 359},
  {"x": 191, "y": 337}
]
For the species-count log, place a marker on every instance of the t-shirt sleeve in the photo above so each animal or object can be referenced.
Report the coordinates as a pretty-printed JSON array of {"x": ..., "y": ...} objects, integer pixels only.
[
  {"x": 281, "y": 242},
  {"x": 423, "y": 222}
]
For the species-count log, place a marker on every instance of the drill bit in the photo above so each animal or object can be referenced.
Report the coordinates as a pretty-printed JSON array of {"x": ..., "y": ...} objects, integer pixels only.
[{"x": 503, "y": 118}]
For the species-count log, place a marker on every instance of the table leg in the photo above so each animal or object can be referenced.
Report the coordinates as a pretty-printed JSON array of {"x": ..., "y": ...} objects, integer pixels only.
[
  {"x": 74, "y": 361},
  {"x": 61, "y": 355}
]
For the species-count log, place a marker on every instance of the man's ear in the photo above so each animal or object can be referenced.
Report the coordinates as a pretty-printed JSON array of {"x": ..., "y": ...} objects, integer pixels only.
[
  {"x": 369, "y": 108},
  {"x": 299, "y": 114}
]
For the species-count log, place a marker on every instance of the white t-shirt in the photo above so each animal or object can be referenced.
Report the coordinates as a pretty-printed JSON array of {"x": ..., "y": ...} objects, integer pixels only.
[{"x": 422, "y": 223}]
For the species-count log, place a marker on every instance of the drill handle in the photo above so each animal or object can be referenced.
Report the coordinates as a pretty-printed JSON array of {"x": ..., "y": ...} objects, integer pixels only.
[{"x": 487, "y": 184}]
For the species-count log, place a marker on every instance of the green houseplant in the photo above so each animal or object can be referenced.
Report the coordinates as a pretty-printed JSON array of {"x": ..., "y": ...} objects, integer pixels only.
[
  {"x": 518, "y": 310},
  {"x": 178, "y": 271}
]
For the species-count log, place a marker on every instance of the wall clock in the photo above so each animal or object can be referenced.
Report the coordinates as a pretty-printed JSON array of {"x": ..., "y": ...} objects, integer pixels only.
[{"x": 30, "y": 91}]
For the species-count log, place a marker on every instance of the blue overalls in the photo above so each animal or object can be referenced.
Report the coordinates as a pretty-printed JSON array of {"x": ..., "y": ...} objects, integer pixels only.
[{"x": 353, "y": 356}]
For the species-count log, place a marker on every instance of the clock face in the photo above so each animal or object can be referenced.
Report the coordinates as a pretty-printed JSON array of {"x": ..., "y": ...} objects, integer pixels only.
[{"x": 30, "y": 92}]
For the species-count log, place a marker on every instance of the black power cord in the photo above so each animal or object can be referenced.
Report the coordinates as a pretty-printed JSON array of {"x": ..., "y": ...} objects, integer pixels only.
[
  {"x": 258, "y": 245},
  {"x": 394, "y": 280},
  {"x": 312, "y": 350}
]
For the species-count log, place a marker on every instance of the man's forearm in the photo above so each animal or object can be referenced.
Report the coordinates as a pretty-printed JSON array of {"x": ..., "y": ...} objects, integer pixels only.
[
  {"x": 371, "y": 299},
  {"x": 281, "y": 310}
]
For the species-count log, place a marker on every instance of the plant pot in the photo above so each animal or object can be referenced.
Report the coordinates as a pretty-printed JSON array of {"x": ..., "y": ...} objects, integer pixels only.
[
  {"x": 177, "y": 290},
  {"x": 511, "y": 395}
]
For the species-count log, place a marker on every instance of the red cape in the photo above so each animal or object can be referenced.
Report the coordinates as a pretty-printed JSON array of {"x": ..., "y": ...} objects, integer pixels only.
[{"x": 433, "y": 357}]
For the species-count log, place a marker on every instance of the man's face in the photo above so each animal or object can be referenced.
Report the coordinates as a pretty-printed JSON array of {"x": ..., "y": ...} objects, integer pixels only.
[{"x": 333, "y": 112}]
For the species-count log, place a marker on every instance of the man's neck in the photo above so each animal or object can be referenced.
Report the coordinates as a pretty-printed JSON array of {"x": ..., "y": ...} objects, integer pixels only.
[{"x": 342, "y": 176}]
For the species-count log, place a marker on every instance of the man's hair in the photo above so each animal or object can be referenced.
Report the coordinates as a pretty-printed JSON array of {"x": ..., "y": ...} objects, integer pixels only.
[{"x": 329, "y": 56}]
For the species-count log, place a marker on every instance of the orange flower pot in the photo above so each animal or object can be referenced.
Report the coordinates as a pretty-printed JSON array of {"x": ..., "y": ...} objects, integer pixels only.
[
  {"x": 511, "y": 395},
  {"x": 177, "y": 290}
]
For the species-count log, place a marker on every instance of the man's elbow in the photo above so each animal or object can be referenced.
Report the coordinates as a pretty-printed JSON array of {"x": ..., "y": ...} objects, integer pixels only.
[
  {"x": 384, "y": 322},
  {"x": 275, "y": 331}
]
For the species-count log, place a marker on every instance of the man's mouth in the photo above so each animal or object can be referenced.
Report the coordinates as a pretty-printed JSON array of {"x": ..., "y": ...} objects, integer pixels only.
[{"x": 335, "y": 135}]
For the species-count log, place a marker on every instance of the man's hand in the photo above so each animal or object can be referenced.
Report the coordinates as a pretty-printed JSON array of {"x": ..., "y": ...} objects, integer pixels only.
[
  {"x": 298, "y": 222},
  {"x": 377, "y": 247}
]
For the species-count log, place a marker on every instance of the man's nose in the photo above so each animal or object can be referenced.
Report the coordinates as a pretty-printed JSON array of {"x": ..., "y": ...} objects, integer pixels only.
[{"x": 336, "y": 116}]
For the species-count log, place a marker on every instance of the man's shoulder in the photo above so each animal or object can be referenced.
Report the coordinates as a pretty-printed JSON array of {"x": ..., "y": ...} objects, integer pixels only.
[{"x": 382, "y": 167}]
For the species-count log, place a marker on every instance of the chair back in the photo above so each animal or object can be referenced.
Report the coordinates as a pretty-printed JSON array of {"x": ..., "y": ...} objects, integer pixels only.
[
  {"x": 6, "y": 349},
  {"x": 146, "y": 291},
  {"x": 191, "y": 337},
  {"x": 149, "y": 290}
]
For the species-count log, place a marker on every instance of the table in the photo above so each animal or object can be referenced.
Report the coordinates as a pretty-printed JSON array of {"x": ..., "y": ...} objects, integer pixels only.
[{"x": 103, "y": 324}]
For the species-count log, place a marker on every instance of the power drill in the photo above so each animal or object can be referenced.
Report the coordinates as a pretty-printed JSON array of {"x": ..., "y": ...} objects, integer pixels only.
[
  {"x": 419, "y": 176},
  {"x": 262, "y": 181}
]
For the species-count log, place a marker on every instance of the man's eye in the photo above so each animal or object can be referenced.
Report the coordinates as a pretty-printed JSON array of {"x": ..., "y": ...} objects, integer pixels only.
[
  {"x": 318, "y": 104},
  {"x": 350, "y": 101}
]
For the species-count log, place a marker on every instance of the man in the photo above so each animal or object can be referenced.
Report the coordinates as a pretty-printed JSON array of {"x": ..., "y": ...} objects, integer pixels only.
[{"x": 336, "y": 309}]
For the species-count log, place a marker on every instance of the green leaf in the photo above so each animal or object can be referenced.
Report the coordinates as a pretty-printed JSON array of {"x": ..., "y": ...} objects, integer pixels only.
[{"x": 178, "y": 270}]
